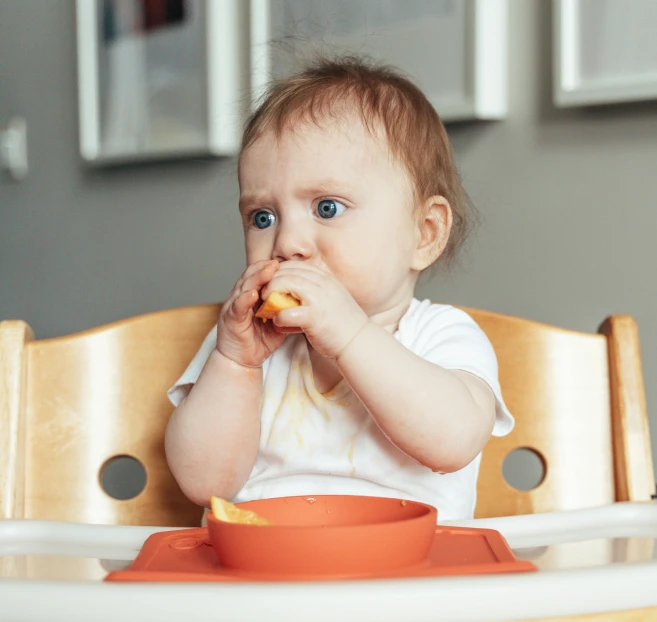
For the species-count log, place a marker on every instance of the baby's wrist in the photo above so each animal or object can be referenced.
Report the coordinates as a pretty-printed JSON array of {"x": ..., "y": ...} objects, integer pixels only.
[
  {"x": 234, "y": 361},
  {"x": 352, "y": 342}
]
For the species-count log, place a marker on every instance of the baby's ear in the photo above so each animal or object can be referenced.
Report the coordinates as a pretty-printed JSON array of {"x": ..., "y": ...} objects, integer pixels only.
[{"x": 434, "y": 225}]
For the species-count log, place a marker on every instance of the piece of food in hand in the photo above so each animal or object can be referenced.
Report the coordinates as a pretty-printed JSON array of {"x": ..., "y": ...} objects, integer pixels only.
[
  {"x": 276, "y": 301},
  {"x": 229, "y": 513}
]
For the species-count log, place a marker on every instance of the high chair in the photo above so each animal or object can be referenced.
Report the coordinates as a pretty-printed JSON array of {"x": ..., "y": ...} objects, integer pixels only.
[{"x": 69, "y": 405}]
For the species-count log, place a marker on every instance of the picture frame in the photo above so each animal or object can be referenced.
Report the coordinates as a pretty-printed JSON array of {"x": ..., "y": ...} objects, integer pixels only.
[
  {"x": 471, "y": 35},
  {"x": 604, "y": 51},
  {"x": 160, "y": 80}
]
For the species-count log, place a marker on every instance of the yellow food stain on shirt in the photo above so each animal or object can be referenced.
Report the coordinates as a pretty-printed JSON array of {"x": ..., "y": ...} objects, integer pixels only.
[
  {"x": 294, "y": 406},
  {"x": 350, "y": 447},
  {"x": 351, "y": 456}
]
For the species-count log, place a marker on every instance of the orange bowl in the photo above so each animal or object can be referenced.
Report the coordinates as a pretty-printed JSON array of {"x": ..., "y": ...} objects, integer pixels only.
[{"x": 332, "y": 535}]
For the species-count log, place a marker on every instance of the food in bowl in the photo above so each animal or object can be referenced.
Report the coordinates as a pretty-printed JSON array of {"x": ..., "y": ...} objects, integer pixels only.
[{"x": 229, "y": 513}]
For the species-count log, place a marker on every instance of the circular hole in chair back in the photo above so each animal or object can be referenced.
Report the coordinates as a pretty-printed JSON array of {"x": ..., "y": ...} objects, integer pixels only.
[
  {"x": 123, "y": 477},
  {"x": 523, "y": 468}
]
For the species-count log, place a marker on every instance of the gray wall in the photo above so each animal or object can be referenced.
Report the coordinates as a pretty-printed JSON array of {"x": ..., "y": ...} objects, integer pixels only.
[{"x": 568, "y": 202}]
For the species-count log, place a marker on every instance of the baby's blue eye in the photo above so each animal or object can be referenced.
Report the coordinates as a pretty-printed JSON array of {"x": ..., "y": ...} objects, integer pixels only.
[
  {"x": 263, "y": 219},
  {"x": 328, "y": 208}
]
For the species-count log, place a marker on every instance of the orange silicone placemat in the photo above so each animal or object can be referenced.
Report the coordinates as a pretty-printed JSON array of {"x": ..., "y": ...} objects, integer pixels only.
[{"x": 187, "y": 555}]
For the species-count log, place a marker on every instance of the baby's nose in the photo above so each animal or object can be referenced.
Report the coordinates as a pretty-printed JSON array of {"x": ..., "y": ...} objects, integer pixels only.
[{"x": 293, "y": 242}]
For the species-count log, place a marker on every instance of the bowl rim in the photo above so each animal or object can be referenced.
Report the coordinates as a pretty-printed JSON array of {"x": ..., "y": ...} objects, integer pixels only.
[{"x": 429, "y": 509}]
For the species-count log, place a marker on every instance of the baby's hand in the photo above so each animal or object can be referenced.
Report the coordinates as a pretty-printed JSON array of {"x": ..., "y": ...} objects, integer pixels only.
[
  {"x": 239, "y": 337},
  {"x": 328, "y": 315}
]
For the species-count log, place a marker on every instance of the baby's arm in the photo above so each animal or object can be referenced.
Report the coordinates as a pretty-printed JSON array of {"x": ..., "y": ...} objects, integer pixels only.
[
  {"x": 212, "y": 438},
  {"x": 442, "y": 418},
  {"x": 439, "y": 417}
]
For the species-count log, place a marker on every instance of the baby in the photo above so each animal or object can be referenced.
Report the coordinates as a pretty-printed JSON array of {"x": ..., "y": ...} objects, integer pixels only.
[{"x": 347, "y": 193}]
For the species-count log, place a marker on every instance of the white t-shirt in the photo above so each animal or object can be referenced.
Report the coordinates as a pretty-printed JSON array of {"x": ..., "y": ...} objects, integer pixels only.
[{"x": 313, "y": 443}]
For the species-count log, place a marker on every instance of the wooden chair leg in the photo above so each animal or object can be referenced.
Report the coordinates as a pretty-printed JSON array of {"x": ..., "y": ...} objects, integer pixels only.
[
  {"x": 14, "y": 335},
  {"x": 633, "y": 466}
]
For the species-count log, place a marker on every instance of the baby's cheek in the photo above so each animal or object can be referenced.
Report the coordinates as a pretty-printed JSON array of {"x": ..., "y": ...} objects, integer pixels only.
[
  {"x": 257, "y": 249},
  {"x": 362, "y": 268},
  {"x": 367, "y": 284}
]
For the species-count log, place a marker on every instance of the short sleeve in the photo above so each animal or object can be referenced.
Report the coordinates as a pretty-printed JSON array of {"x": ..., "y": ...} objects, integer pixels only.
[
  {"x": 184, "y": 384},
  {"x": 451, "y": 339}
]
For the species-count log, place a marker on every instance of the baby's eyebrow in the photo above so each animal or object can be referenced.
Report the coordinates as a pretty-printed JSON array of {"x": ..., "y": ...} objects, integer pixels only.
[
  {"x": 327, "y": 186},
  {"x": 315, "y": 188},
  {"x": 249, "y": 201}
]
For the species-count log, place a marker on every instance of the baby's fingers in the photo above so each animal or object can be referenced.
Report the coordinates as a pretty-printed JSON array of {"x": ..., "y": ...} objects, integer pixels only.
[
  {"x": 294, "y": 317},
  {"x": 256, "y": 267},
  {"x": 261, "y": 277},
  {"x": 287, "y": 330},
  {"x": 243, "y": 303},
  {"x": 287, "y": 321}
]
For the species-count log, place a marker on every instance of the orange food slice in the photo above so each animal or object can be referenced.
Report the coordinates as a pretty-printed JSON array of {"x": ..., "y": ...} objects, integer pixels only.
[
  {"x": 229, "y": 513},
  {"x": 276, "y": 301}
]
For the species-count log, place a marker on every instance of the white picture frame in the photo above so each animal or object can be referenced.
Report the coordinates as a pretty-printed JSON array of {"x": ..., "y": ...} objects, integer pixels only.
[
  {"x": 603, "y": 52},
  {"x": 482, "y": 42},
  {"x": 121, "y": 119}
]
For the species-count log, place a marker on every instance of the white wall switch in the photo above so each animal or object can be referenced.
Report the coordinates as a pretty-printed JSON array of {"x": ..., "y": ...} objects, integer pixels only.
[{"x": 13, "y": 148}]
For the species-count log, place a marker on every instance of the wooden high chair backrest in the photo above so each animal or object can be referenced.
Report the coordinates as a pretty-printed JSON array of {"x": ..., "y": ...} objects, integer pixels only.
[
  {"x": 579, "y": 404},
  {"x": 68, "y": 405}
]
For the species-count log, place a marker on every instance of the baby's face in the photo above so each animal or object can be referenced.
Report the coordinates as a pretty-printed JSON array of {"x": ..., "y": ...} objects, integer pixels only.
[{"x": 332, "y": 196}]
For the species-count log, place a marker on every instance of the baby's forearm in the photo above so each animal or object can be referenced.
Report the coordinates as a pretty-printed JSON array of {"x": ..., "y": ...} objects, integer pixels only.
[
  {"x": 212, "y": 438},
  {"x": 437, "y": 416}
]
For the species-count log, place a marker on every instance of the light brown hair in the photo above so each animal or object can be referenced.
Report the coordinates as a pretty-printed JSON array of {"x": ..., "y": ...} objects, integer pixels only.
[{"x": 384, "y": 99}]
